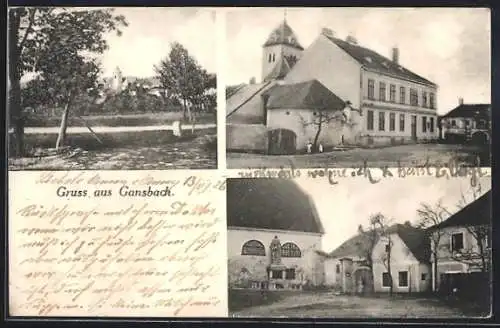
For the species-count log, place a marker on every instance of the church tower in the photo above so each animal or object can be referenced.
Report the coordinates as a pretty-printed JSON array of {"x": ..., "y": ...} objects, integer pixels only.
[
  {"x": 280, "y": 52},
  {"x": 117, "y": 83}
]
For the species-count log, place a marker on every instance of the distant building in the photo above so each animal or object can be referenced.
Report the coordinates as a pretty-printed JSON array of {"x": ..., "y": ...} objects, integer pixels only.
[
  {"x": 273, "y": 234},
  {"x": 467, "y": 123},
  {"x": 347, "y": 267},
  {"x": 385, "y": 102}
]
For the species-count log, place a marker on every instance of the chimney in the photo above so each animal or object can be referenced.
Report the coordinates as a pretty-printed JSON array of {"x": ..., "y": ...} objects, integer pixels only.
[
  {"x": 252, "y": 80},
  {"x": 460, "y": 101},
  {"x": 350, "y": 39},
  {"x": 395, "y": 55},
  {"x": 327, "y": 32}
]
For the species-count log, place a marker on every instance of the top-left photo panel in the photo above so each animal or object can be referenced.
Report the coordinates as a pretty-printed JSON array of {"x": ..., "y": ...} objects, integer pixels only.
[{"x": 111, "y": 88}]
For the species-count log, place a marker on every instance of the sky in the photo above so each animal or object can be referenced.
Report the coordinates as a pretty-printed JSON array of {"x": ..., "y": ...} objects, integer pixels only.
[
  {"x": 343, "y": 207},
  {"x": 449, "y": 46},
  {"x": 147, "y": 38}
]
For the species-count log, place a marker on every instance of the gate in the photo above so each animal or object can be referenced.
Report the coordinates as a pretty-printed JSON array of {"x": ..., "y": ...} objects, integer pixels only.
[
  {"x": 363, "y": 280},
  {"x": 282, "y": 142}
]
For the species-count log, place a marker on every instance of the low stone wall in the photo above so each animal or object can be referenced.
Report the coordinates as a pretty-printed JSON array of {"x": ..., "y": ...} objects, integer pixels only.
[
  {"x": 390, "y": 140},
  {"x": 246, "y": 137}
]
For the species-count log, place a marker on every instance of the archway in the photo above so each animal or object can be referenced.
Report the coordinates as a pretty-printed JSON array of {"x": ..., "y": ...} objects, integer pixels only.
[
  {"x": 363, "y": 280},
  {"x": 282, "y": 142},
  {"x": 480, "y": 138}
]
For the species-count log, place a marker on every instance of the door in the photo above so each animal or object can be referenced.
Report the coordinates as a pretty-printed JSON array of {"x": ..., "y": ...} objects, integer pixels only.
[
  {"x": 414, "y": 127},
  {"x": 282, "y": 142}
]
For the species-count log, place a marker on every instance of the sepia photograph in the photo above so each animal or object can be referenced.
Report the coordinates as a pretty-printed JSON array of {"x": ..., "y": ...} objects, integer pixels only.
[
  {"x": 95, "y": 88},
  {"x": 306, "y": 248},
  {"x": 339, "y": 87}
]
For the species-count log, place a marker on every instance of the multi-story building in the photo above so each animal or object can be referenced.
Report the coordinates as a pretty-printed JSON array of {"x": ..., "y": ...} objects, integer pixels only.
[{"x": 383, "y": 102}]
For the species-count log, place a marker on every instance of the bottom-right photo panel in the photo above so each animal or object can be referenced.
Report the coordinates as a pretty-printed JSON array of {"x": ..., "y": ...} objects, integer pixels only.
[{"x": 414, "y": 247}]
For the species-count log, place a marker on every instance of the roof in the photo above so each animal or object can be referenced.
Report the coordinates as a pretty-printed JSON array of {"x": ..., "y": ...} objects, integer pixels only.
[
  {"x": 276, "y": 204},
  {"x": 415, "y": 239},
  {"x": 471, "y": 111},
  {"x": 374, "y": 61},
  {"x": 280, "y": 70},
  {"x": 305, "y": 95},
  {"x": 283, "y": 34},
  {"x": 245, "y": 104},
  {"x": 476, "y": 213}
]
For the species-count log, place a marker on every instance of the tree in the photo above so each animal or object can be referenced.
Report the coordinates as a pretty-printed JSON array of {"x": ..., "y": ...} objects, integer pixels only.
[
  {"x": 371, "y": 237},
  {"x": 481, "y": 255},
  {"x": 41, "y": 39},
  {"x": 320, "y": 119},
  {"x": 381, "y": 225},
  {"x": 180, "y": 74},
  {"x": 431, "y": 216}
]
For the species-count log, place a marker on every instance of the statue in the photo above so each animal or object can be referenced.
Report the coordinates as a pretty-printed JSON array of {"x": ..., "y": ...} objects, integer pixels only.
[{"x": 275, "y": 251}]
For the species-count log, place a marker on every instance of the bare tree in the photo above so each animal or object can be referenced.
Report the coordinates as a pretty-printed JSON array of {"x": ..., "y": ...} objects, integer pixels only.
[
  {"x": 381, "y": 225},
  {"x": 481, "y": 255},
  {"x": 322, "y": 118},
  {"x": 432, "y": 216}
]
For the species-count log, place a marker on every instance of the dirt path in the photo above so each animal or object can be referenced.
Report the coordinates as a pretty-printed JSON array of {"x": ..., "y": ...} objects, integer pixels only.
[
  {"x": 330, "y": 305},
  {"x": 113, "y": 129}
]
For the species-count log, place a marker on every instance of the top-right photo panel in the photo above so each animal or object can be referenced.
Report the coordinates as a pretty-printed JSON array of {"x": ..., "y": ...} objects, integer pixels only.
[{"x": 349, "y": 87}]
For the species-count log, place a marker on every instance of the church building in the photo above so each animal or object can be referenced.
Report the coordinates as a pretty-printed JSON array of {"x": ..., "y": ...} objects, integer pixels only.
[
  {"x": 336, "y": 92},
  {"x": 274, "y": 235}
]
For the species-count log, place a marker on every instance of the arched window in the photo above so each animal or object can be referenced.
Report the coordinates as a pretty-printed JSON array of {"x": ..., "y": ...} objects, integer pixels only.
[
  {"x": 253, "y": 247},
  {"x": 290, "y": 250}
]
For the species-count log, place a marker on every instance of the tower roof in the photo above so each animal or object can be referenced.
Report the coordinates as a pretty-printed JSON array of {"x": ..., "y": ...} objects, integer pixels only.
[{"x": 283, "y": 34}]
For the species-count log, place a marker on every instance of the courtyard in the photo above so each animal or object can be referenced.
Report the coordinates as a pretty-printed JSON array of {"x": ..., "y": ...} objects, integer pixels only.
[
  {"x": 252, "y": 303},
  {"x": 405, "y": 155}
]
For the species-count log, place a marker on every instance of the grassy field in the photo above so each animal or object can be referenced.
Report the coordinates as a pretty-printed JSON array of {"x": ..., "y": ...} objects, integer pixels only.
[{"x": 136, "y": 119}]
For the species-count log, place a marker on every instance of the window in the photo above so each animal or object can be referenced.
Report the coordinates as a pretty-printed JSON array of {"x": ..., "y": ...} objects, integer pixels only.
[
  {"x": 290, "y": 250},
  {"x": 457, "y": 242},
  {"x": 402, "y": 95},
  {"x": 392, "y": 93},
  {"x": 387, "y": 248},
  {"x": 381, "y": 91},
  {"x": 337, "y": 268},
  {"x": 431, "y": 124},
  {"x": 403, "y": 278},
  {"x": 270, "y": 58},
  {"x": 369, "y": 120},
  {"x": 424, "y": 99},
  {"x": 290, "y": 274},
  {"x": 274, "y": 58},
  {"x": 453, "y": 123},
  {"x": 381, "y": 121},
  {"x": 371, "y": 89},
  {"x": 424, "y": 276},
  {"x": 424, "y": 124},
  {"x": 386, "y": 279},
  {"x": 276, "y": 274},
  {"x": 392, "y": 121},
  {"x": 253, "y": 247},
  {"x": 413, "y": 97},
  {"x": 401, "y": 122},
  {"x": 431, "y": 101}
]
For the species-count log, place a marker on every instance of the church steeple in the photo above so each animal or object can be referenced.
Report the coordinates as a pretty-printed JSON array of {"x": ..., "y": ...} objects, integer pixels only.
[{"x": 281, "y": 45}]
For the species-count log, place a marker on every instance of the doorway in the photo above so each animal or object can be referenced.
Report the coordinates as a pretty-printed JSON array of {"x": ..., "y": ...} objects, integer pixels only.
[{"x": 414, "y": 128}]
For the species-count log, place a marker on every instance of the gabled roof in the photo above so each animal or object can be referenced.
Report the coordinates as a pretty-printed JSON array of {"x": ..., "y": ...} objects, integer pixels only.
[
  {"x": 305, "y": 95},
  {"x": 470, "y": 111},
  {"x": 415, "y": 239},
  {"x": 374, "y": 61},
  {"x": 476, "y": 213},
  {"x": 283, "y": 34},
  {"x": 275, "y": 204},
  {"x": 280, "y": 70}
]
